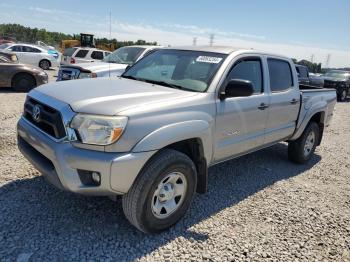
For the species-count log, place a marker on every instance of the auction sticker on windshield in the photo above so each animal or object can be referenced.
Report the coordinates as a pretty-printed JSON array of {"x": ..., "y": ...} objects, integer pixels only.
[{"x": 209, "y": 59}]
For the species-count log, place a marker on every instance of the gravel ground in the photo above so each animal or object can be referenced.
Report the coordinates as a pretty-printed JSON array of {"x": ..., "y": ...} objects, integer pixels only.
[{"x": 259, "y": 207}]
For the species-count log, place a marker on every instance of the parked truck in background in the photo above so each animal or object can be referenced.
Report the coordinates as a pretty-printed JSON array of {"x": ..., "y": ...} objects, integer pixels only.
[
  {"x": 307, "y": 78},
  {"x": 113, "y": 64},
  {"x": 151, "y": 134}
]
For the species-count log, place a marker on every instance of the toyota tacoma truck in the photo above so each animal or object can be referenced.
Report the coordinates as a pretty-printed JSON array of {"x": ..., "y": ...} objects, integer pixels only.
[
  {"x": 151, "y": 134},
  {"x": 112, "y": 65}
]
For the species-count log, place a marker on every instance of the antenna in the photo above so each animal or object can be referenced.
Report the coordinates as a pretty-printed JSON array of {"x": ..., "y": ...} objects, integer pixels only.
[{"x": 110, "y": 39}]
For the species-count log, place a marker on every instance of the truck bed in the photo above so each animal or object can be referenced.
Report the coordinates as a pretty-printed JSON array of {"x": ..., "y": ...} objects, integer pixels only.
[
  {"x": 315, "y": 99},
  {"x": 303, "y": 88}
]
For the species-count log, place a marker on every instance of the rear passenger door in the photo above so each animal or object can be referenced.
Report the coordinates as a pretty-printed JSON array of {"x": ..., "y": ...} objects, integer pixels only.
[{"x": 284, "y": 103}]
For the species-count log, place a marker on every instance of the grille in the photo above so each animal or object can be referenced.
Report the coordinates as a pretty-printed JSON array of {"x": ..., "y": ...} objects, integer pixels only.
[
  {"x": 68, "y": 74},
  {"x": 49, "y": 120}
]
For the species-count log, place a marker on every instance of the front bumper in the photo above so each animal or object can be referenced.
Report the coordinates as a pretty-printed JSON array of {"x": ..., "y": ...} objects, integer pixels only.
[
  {"x": 41, "y": 79},
  {"x": 59, "y": 162}
]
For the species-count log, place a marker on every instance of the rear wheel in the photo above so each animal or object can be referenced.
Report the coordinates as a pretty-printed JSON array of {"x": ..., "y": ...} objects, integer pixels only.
[
  {"x": 342, "y": 94},
  {"x": 162, "y": 193},
  {"x": 23, "y": 83},
  {"x": 44, "y": 64},
  {"x": 301, "y": 150}
]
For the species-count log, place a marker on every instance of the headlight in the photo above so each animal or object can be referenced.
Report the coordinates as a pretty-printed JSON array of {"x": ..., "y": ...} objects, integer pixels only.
[
  {"x": 99, "y": 130},
  {"x": 87, "y": 75}
]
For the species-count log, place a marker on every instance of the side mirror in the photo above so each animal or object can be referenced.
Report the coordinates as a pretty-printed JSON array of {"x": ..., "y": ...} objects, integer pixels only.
[{"x": 237, "y": 88}]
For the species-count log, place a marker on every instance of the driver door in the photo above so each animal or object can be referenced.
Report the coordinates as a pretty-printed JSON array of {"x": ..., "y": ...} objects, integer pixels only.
[{"x": 241, "y": 121}]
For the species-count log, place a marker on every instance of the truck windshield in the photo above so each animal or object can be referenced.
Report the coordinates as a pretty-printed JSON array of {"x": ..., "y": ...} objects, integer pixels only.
[
  {"x": 335, "y": 73},
  {"x": 188, "y": 70},
  {"x": 124, "y": 55}
]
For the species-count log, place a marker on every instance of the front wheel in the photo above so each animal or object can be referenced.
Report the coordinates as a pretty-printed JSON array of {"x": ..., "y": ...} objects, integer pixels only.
[
  {"x": 301, "y": 150},
  {"x": 162, "y": 192},
  {"x": 23, "y": 83}
]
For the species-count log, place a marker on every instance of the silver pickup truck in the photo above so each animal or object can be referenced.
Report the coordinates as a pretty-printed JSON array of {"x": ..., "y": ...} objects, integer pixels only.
[{"x": 151, "y": 134}]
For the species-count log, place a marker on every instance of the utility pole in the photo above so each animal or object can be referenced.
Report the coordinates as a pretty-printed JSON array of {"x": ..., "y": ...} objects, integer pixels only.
[
  {"x": 328, "y": 60},
  {"x": 312, "y": 58},
  {"x": 211, "y": 39},
  {"x": 194, "y": 41}
]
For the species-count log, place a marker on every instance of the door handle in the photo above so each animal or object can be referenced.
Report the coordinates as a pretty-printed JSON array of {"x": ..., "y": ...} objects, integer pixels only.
[
  {"x": 263, "y": 106},
  {"x": 294, "y": 101}
]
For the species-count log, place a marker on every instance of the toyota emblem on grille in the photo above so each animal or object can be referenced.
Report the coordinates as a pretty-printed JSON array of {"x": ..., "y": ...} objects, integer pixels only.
[{"x": 36, "y": 113}]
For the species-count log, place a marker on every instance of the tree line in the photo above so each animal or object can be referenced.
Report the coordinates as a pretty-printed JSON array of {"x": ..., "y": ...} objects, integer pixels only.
[
  {"x": 313, "y": 67},
  {"x": 31, "y": 35}
]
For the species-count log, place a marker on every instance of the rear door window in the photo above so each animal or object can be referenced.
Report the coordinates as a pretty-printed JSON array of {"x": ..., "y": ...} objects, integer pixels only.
[
  {"x": 82, "y": 53},
  {"x": 280, "y": 72},
  {"x": 29, "y": 49},
  {"x": 98, "y": 55}
]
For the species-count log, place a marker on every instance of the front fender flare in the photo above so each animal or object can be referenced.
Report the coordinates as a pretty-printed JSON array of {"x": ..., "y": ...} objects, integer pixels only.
[{"x": 177, "y": 132}]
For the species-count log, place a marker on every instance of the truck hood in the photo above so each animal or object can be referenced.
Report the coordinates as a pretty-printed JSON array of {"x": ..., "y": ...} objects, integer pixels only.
[
  {"x": 98, "y": 66},
  {"x": 109, "y": 96}
]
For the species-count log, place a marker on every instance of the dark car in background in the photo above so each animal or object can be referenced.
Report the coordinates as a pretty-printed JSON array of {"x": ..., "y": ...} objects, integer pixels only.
[
  {"x": 340, "y": 80},
  {"x": 20, "y": 77}
]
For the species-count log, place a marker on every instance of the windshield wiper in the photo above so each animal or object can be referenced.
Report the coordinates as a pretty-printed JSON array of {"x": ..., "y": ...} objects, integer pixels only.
[
  {"x": 131, "y": 77},
  {"x": 163, "y": 83},
  {"x": 155, "y": 82}
]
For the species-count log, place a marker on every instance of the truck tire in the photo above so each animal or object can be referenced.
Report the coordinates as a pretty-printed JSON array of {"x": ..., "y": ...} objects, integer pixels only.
[
  {"x": 301, "y": 150},
  {"x": 23, "y": 82},
  {"x": 162, "y": 192},
  {"x": 342, "y": 94}
]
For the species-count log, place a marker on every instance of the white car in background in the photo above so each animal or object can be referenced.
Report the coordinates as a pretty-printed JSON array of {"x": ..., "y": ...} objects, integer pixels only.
[
  {"x": 78, "y": 55},
  {"x": 33, "y": 55},
  {"x": 44, "y": 45},
  {"x": 111, "y": 66}
]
